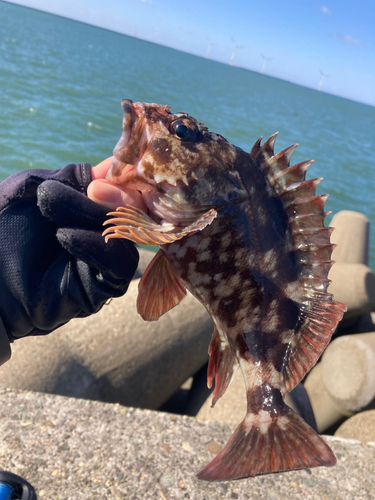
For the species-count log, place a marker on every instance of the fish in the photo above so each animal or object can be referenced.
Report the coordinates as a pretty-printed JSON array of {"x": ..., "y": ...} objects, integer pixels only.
[{"x": 244, "y": 233}]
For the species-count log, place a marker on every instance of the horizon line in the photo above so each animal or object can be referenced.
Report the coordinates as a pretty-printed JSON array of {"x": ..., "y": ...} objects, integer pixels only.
[{"x": 321, "y": 92}]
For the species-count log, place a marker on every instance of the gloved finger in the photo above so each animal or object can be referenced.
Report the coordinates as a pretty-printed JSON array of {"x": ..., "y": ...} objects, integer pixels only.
[
  {"x": 118, "y": 258},
  {"x": 64, "y": 206}
]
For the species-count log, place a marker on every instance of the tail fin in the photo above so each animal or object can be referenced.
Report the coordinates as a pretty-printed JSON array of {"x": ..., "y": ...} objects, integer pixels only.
[{"x": 263, "y": 443}]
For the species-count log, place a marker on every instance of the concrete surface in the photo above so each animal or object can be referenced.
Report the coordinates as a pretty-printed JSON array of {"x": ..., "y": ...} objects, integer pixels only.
[
  {"x": 360, "y": 427},
  {"x": 73, "y": 449}
]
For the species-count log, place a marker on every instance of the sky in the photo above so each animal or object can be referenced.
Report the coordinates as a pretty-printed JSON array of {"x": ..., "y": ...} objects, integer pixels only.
[{"x": 330, "y": 44}]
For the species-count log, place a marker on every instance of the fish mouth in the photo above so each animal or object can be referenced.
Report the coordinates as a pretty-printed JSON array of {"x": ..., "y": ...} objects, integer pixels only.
[
  {"x": 161, "y": 197},
  {"x": 129, "y": 150}
]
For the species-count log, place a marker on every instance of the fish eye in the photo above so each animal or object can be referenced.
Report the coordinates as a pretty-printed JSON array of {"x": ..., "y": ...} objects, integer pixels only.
[{"x": 184, "y": 129}]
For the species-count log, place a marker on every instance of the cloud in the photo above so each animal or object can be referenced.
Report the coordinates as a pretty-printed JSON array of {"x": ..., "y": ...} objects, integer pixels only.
[
  {"x": 146, "y": 1},
  {"x": 325, "y": 9},
  {"x": 348, "y": 39}
]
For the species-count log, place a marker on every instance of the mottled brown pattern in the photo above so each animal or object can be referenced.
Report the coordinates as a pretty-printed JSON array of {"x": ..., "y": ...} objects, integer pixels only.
[
  {"x": 259, "y": 266},
  {"x": 248, "y": 300},
  {"x": 267, "y": 398}
]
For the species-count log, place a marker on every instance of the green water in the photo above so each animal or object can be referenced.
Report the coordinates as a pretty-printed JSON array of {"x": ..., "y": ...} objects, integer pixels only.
[{"x": 61, "y": 83}]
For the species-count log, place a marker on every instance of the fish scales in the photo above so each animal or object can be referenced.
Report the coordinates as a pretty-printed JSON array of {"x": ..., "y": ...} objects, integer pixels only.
[{"x": 244, "y": 234}]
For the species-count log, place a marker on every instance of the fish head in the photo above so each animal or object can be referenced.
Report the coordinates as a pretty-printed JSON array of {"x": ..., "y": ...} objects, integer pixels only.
[{"x": 173, "y": 155}]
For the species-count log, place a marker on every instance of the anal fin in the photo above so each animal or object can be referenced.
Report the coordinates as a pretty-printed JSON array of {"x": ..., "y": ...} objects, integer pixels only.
[
  {"x": 160, "y": 289},
  {"x": 222, "y": 365}
]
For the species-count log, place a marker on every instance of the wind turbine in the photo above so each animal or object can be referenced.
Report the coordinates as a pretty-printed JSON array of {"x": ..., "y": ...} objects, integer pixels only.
[
  {"x": 266, "y": 60},
  {"x": 323, "y": 77},
  {"x": 210, "y": 45},
  {"x": 236, "y": 47}
]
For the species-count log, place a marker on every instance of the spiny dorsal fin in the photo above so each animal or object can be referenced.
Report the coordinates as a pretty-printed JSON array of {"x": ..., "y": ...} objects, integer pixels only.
[
  {"x": 289, "y": 183},
  {"x": 292, "y": 174},
  {"x": 279, "y": 162},
  {"x": 312, "y": 249},
  {"x": 264, "y": 151}
]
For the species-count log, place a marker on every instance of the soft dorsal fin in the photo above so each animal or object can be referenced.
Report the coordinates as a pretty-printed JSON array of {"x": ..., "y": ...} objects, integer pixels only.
[
  {"x": 160, "y": 289},
  {"x": 312, "y": 248}
]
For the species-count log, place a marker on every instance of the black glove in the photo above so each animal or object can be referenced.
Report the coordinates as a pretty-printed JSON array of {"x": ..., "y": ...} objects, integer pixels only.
[{"x": 54, "y": 262}]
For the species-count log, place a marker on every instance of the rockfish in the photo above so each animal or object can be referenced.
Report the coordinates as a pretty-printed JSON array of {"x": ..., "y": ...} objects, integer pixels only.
[{"x": 244, "y": 234}]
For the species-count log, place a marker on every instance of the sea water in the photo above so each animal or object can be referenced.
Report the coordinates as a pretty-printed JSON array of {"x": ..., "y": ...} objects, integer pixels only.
[{"x": 61, "y": 83}]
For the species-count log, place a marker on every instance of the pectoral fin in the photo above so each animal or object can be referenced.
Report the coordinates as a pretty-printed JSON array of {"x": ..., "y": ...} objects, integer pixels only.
[
  {"x": 133, "y": 224},
  {"x": 160, "y": 289}
]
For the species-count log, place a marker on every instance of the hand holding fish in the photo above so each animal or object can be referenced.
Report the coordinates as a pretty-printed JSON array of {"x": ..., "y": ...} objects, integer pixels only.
[
  {"x": 55, "y": 265},
  {"x": 111, "y": 195},
  {"x": 244, "y": 233}
]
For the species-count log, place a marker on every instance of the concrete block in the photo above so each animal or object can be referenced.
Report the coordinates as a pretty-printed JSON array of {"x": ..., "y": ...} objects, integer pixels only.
[
  {"x": 230, "y": 408},
  {"x": 351, "y": 235},
  {"x": 354, "y": 285},
  {"x": 348, "y": 371},
  {"x": 114, "y": 356},
  {"x": 360, "y": 426},
  {"x": 145, "y": 257},
  {"x": 326, "y": 412},
  {"x": 343, "y": 383},
  {"x": 362, "y": 324}
]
